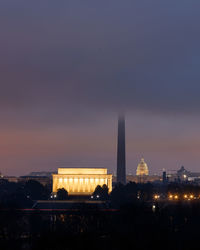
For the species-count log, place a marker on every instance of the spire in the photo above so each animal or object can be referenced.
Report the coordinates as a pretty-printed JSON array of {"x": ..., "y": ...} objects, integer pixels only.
[{"x": 121, "y": 151}]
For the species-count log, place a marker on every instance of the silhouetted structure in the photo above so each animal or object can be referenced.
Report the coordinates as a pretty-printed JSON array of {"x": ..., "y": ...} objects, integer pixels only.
[
  {"x": 121, "y": 152},
  {"x": 164, "y": 177}
]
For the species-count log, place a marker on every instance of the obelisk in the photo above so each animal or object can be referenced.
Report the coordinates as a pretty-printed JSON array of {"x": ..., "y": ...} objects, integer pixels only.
[{"x": 121, "y": 151}]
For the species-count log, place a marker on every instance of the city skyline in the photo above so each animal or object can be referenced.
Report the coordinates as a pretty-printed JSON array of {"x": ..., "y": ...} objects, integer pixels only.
[
  {"x": 67, "y": 69},
  {"x": 99, "y": 124}
]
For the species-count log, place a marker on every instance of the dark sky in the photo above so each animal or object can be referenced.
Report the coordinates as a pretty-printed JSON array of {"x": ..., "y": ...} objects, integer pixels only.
[{"x": 68, "y": 67}]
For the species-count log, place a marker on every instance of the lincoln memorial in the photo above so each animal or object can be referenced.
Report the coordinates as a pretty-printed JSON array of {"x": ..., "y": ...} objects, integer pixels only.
[{"x": 81, "y": 181}]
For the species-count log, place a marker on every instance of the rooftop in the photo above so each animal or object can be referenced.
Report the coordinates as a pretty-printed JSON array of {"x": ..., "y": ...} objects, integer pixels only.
[{"x": 82, "y": 171}]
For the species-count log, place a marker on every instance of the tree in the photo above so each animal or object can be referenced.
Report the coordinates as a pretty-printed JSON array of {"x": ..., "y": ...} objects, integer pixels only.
[
  {"x": 101, "y": 192},
  {"x": 62, "y": 194},
  {"x": 35, "y": 190}
]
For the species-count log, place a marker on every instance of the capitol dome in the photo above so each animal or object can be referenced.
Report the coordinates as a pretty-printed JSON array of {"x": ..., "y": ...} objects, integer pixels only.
[{"x": 142, "y": 168}]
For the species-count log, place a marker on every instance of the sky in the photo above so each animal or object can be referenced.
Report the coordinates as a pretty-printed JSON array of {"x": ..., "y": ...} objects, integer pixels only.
[{"x": 67, "y": 68}]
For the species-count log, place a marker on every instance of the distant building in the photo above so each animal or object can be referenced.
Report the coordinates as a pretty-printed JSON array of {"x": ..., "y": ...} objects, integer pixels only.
[
  {"x": 142, "y": 168},
  {"x": 185, "y": 175},
  {"x": 144, "y": 178},
  {"x": 142, "y": 175},
  {"x": 44, "y": 178},
  {"x": 10, "y": 178},
  {"x": 164, "y": 177},
  {"x": 81, "y": 181},
  {"x": 41, "y": 173}
]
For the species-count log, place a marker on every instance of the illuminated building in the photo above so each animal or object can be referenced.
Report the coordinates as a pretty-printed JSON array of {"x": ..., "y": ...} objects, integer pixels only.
[
  {"x": 81, "y": 181},
  {"x": 183, "y": 175},
  {"x": 142, "y": 168},
  {"x": 121, "y": 152}
]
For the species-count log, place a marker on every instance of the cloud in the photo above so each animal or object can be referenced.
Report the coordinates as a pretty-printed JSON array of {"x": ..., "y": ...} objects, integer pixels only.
[
  {"x": 76, "y": 63},
  {"x": 136, "y": 56}
]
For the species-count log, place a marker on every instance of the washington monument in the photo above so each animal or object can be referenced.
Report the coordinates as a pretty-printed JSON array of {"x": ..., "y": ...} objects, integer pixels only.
[{"x": 121, "y": 151}]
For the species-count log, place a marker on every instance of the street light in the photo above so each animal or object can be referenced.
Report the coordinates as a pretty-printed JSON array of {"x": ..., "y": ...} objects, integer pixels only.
[
  {"x": 156, "y": 196},
  {"x": 176, "y": 197}
]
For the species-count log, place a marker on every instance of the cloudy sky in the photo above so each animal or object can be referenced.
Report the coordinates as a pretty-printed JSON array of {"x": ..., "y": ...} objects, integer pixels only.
[{"x": 67, "y": 68}]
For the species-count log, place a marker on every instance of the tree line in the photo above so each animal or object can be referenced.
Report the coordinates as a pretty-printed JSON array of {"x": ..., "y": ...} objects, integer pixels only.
[{"x": 24, "y": 194}]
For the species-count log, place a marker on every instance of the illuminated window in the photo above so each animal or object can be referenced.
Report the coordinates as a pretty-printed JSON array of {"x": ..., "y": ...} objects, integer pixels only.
[
  {"x": 86, "y": 180},
  {"x": 76, "y": 180},
  {"x": 60, "y": 179},
  {"x": 91, "y": 180},
  {"x": 96, "y": 180},
  {"x": 101, "y": 180},
  {"x": 70, "y": 180},
  {"x": 65, "y": 180},
  {"x": 81, "y": 180}
]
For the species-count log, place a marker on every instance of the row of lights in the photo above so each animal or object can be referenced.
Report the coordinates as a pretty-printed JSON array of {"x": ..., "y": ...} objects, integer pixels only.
[
  {"x": 176, "y": 197},
  {"x": 97, "y": 196},
  {"x": 185, "y": 196},
  {"x": 53, "y": 196}
]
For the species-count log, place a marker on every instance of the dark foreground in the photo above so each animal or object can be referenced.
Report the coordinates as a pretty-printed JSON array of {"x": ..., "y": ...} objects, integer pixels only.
[{"x": 169, "y": 226}]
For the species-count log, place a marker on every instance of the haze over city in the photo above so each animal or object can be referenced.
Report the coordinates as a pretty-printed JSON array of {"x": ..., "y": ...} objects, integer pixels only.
[{"x": 69, "y": 68}]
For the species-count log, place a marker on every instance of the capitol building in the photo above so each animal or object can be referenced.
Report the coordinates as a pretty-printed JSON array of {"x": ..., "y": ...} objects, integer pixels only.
[
  {"x": 142, "y": 168},
  {"x": 142, "y": 174}
]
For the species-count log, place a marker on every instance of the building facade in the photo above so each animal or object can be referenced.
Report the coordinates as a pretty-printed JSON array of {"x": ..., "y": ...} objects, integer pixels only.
[{"x": 81, "y": 181}]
